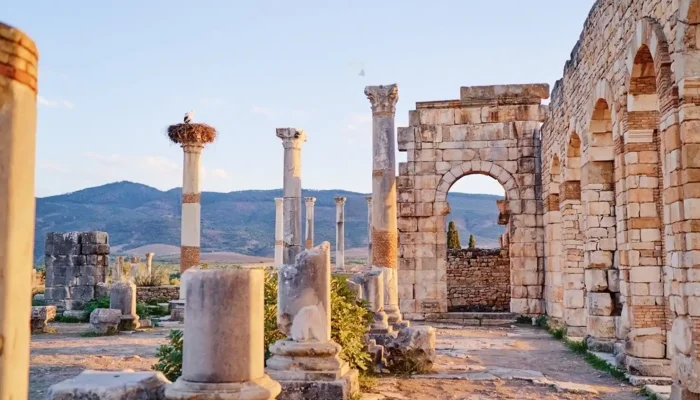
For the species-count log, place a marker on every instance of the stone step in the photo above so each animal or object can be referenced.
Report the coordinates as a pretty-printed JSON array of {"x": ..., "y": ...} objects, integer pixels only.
[
  {"x": 660, "y": 391},
  {"x": 473, "y": 318},
  {"x": 640, "y": 381}
]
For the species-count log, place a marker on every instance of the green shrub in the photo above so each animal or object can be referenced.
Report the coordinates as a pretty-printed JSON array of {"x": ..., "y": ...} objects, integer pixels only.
[
  {"x": 68, "y": 319},
  {"x": 142, "y": 310},
  {"x": 36, "y": 302},
  {"x": 349, "y": 322},
  {"x": 170, "y": 356},
  {"x": 100, "y": 302}
]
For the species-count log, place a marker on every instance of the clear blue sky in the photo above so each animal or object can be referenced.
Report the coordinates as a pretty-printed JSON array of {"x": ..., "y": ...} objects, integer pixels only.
[{"x": 113, "y": 75}]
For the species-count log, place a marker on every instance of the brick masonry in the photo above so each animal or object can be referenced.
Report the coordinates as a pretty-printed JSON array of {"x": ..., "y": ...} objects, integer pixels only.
[{"x": 478, "y": 280}]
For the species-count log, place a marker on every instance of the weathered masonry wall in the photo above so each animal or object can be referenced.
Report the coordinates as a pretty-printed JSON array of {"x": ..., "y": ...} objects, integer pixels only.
[
  {"x": 478, "y": 280},
  {"x": 157, "y": 293},
  {"x": 622, "y": 144},
  {"x": 490, "y": 130},
  {"x": 75, "y": 263}
]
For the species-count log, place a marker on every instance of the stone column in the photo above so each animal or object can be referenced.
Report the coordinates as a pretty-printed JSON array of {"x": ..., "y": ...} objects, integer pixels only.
[
  {"x": 340, "y": 233},
  {"x": 223, "y": 354},
  {"x": 118, "y": 270},
  {"x": 310, "y": 203},
  {"x": 18, "y": 86},
  {"x": 149, "y": 263},
  {"x": 372, "y": 284},
  {"x": 369, "y": 231},
  {"x": 279, "y": 231},
  {"x": 307, "y": 362},
  {"x": 292, "y": 140},
  {"x": 385, "y": 240},
  {"x": 191, "y": 137}
]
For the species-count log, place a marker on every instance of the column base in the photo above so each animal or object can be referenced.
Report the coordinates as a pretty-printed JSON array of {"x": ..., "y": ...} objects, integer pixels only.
[
  {"x": 311, "y": 370},
  {"x": 259, "y": 389},
  {"x": 393, "y": 314},
  {"x": 177, "y": 310}
]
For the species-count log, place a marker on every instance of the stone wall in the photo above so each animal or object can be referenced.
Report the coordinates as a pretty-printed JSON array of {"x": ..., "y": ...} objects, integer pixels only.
[
  {"x": 490, "y": 130},
  {"x": 478, "y": 280},
  {"x": 166, "y": 293},
  {"x": 75, "y": 263}
]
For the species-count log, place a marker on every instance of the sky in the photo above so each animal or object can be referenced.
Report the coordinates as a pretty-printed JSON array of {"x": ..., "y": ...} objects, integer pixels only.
[{"x": 114, "y": 75}]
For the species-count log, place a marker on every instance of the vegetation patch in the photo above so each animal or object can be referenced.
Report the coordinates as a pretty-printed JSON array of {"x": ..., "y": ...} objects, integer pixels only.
[{"x": 68, "y": 319}]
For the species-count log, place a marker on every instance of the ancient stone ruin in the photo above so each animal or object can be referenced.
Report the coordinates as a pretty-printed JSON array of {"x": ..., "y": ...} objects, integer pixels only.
[{"x": 76, "y": 262}]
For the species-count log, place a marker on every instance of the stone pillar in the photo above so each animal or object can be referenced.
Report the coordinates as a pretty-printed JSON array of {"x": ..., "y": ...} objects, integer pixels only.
[
  {"x": 340, "y": 233},
  {"x": 310, "y": 203},
  {"x": 369, "y": 231},
  {"x": 292, "y": 140},
  {"x": 307, "y": 362},
  {"x": 385, "y": 241},
  {"x": 122, "y": 296},
  {"x": 224, "y": 338},
  {"x": 279, "y": 231},
  {"x": 191, "y": 137},
  {"x": 118, "y": 270},
  {"x": 149, "y": 263},
  {"x": 372, "y": 284}
]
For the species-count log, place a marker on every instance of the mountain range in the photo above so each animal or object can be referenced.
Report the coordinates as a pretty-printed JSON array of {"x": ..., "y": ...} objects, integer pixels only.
[{"x": 137, "y": 215}]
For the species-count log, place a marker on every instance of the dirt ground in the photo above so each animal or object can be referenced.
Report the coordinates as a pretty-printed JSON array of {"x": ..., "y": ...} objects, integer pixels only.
[{"x": 473, "y": 363}]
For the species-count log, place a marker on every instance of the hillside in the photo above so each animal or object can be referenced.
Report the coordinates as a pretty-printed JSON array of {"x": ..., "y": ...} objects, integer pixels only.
[{"x": 137, "y": 215}]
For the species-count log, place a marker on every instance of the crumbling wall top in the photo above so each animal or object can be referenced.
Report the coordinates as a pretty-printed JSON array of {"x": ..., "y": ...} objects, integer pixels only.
[{"x": 504, "y": 94}]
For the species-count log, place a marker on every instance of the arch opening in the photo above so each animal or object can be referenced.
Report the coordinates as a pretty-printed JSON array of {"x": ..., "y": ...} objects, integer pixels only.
[{"x": 477, "y": 260}]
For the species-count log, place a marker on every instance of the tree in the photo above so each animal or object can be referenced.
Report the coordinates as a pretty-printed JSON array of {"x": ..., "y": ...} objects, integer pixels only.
[
  {"x": 453, "y": 236},
  {"x": 472, "y": 242}
]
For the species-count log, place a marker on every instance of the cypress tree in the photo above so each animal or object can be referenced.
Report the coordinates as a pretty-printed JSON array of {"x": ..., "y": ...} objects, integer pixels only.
[
  {"x": 453, "y": 236},
  {"x": 472, "y": 242}
]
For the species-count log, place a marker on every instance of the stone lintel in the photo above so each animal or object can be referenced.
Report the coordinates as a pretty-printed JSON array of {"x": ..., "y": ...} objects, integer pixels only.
[
  {"x": 438, "y": 104},
  {"x": 504, "y": 94}
]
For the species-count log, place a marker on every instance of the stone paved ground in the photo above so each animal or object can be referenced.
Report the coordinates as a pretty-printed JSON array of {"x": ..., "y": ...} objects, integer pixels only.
[{"x": 481, "y": 363}]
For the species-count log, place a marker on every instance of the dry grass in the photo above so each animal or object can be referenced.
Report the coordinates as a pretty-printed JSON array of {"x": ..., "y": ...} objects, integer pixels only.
[{"x": 191, "y": 133}]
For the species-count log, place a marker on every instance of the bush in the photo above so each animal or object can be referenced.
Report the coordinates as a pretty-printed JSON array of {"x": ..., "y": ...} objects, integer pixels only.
[
  {"x": 100, "y": 302},
  {"x": 175, "y": 281},
  {"x": 170, "y": 356},
  {"x": 349, "y": 322},
  {"x": 157, "y": 277},
  {"x": 68, "y": 319}
]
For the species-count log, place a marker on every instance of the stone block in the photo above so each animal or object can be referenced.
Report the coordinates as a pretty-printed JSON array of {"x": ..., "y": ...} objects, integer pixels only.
[
  {"x": 113, "y": 385},
  {"x": 600, "y": 303},
  {"x": 646, "y": 343},
  {"x": 412, "y": 346},
  {"x": 596, "y": 280},
  {"x": 575, "y": 317},
  {"x": 601, "y": 327},
  {"x": 105, "y": 321}
]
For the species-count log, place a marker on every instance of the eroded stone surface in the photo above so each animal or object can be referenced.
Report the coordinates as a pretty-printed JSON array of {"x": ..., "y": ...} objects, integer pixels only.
[
  {"x": 111, "y": 385},
  {"x": 105, "y": 321}
]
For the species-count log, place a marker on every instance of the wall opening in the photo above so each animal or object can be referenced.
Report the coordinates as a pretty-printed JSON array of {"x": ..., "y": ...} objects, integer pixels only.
[{"x": 478, "y": 277}]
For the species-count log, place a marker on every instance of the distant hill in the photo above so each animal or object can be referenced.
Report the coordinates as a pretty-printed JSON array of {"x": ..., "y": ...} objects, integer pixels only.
[{"x": 137, "y": 215}]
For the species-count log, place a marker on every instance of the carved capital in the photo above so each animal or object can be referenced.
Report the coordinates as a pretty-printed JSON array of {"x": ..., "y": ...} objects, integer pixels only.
[
  {"x": 369, "y": 199},
  {"x": 291, "y": 137},
  {"x": 383, "y": 98},
  {"x": 340, "y": 200},
  {"x": 310, "y": 200}
]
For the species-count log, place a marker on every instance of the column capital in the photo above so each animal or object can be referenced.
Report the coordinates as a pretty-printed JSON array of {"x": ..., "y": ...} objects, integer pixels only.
[
  {"x": 279, "y": 200},
  {"x": 340, "y": 200},
  {"x": 310, "y": 200},
  {"x": 192, "y": 147},
  {"x": 383, "y": 98},
  {"x": 291, "y": 137},
  {"x": 369, "y": 199}
]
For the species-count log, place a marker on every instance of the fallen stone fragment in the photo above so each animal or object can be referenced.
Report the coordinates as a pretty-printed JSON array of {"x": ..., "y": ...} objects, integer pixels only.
[
  {"x": 111, "y": 385},
  {"x": 105, "y": 321},
  {"x": 576, "y": 388}
]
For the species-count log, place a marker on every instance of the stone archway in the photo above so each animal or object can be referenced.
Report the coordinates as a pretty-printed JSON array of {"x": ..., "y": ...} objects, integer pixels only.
[{"x": 491, "y": 130}]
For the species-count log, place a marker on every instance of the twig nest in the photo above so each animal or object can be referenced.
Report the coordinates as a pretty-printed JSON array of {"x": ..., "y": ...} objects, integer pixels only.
[{"x": 183, "y": 133}]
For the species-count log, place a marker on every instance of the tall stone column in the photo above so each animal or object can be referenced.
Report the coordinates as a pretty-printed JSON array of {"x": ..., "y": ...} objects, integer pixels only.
[
  {"x": 307, "y": 362},
  {"x": 149, "y": 262},
  {"x": 191, "y": 137},
  {"x": 18, "y": 86},
  {"x": 369, "y": 231},
  {"x": 279, "y": 231},
  {"x": 385, "y": 240},
  {"x": 340, "y": 233},
  {"x": 292, "y": 140},
  {"x": 310, "y": 203},
  {"x": 223, "y": 354}
]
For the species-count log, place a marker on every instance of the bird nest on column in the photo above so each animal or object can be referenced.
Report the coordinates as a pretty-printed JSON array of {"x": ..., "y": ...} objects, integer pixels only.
[{"x": 184, "y": 133}]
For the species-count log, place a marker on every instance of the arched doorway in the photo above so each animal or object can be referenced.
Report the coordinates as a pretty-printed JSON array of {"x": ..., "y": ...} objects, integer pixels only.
[{"x": 477, "y": 260}]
